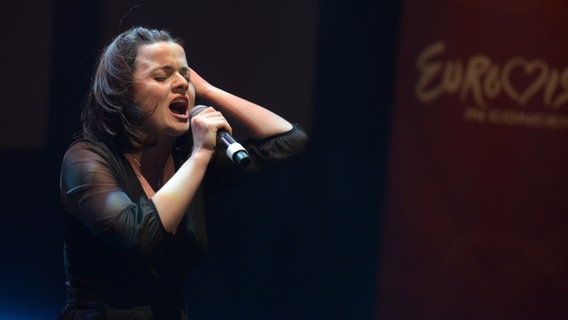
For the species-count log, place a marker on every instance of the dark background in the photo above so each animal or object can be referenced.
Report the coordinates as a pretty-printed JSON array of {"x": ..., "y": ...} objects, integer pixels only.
[{"x": 303, "y": 241}]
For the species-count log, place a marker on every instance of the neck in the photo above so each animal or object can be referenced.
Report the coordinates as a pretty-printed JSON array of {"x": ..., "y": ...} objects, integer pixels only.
[
  {"x": 154, "y": 157},
  {"x": 152, "y": 164}
]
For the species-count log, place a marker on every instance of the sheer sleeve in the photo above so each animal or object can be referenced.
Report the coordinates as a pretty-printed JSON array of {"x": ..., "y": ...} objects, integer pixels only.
[
  {"x": 264, "y": 154},
  {"x": 277, "y": 148},
  {"x": 94, "y": 184}
]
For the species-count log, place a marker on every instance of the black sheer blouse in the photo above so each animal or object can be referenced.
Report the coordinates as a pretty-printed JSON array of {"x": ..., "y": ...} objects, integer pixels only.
[{"x": 116, "y": 249}]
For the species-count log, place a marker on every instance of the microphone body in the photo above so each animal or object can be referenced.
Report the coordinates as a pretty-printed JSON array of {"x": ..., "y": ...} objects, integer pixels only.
[{"x": 234, "y": 150}]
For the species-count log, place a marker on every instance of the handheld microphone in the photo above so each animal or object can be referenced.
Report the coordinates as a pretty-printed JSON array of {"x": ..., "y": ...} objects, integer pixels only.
[{"x": 234, "y": 150}]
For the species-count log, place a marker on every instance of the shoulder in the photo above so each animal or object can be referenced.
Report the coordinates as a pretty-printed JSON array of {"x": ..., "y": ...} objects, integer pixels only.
[
  {"x": 85, "y": 146},
  {"x": 86, "y": 154},
  {"x": 89, "y": 164}
]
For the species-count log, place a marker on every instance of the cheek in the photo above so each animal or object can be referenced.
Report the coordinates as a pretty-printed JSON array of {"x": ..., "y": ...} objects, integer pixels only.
[
  {"x": 139, "y": 95},
  {"x": 147, "y": 97}
]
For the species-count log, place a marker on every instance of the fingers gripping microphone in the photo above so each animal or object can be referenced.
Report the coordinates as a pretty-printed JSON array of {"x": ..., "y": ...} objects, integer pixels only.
[{"x": 234, "y": 150}]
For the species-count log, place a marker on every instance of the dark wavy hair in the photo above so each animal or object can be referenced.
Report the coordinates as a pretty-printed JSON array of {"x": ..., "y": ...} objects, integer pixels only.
[{"x": 109, "y": 113}]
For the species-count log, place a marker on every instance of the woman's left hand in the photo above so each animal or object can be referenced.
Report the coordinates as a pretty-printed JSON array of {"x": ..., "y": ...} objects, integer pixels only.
[{"x": 200, "y": 84}]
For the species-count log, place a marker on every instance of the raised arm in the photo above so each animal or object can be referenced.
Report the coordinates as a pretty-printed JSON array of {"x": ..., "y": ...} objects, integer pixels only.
[{"x": 259, "y": 122}]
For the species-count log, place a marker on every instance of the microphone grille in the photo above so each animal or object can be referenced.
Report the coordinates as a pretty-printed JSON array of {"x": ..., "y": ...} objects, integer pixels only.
[{"x": 195, "y": 110}]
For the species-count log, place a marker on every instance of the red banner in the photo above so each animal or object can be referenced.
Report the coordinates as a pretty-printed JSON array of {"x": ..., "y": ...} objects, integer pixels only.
[{"x": 477, "y": 206}]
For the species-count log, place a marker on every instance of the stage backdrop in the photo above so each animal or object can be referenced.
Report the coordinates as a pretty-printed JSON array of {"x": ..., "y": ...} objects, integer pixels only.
[
  {"x": 477, "y": 206},
  {"x": 25, "y": 58}
]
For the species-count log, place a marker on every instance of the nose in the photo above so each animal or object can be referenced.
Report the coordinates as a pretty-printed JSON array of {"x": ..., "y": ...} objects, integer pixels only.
[{"x": 180, "y": 84}]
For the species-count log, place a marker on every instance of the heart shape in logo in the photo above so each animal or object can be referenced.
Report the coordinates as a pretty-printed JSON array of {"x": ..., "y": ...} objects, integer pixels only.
[{"x": 537, "y": 70}]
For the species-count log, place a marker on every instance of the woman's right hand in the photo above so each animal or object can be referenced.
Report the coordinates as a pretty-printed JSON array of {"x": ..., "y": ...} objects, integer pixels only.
[{"x": 205, "y": 126}]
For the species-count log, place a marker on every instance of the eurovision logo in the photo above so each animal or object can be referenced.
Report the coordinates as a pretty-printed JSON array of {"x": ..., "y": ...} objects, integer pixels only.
[{"x": 518, "y": 91}]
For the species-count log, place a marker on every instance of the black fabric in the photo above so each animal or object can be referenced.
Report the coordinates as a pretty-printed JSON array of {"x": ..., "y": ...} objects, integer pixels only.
[{"x": 117, "y": 252}]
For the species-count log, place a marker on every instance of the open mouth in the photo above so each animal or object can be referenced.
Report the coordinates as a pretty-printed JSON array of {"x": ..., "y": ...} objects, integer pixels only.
[{"x": 179, "y": 106}]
